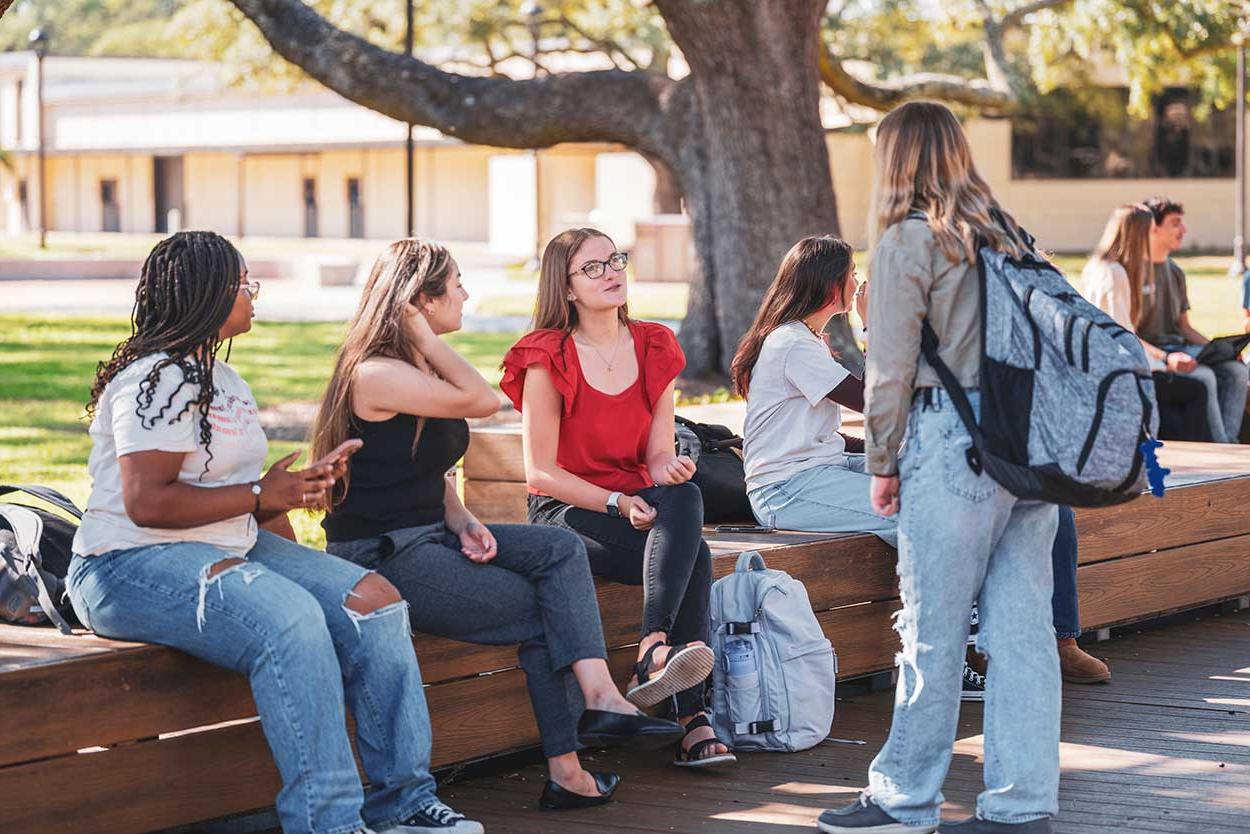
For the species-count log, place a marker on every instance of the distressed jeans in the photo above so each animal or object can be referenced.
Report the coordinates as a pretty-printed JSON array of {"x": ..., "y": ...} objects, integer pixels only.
[
  {"x": 965, "y": 539},
  {"x": 280, "y": 618}
]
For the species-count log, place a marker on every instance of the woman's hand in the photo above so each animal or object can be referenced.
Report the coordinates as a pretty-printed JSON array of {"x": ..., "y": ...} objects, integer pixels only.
[
  {"x": 861, "y": 303},
  {"x": 477, "y": 543},
  {"x": 884, "y": 494},
  {"x": 1180, "y": 363},
  {"x": 419, "y": 327},
  {"x": 676, "y": 469},
  {"x": 282, "y": 490},
  {"x": 640, "y": 514}
]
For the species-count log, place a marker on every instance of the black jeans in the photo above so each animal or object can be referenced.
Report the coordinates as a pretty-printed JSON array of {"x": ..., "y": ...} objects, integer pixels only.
[
  {"x": 1182, "y": 407},
  {"x": 537, "y": 592},
  {"x": 671, "y": 561}
]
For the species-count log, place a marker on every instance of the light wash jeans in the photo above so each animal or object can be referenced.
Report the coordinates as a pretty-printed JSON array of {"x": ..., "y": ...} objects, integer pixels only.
[
  {"x": 824, "y": 499},
  {"x": 965, "y": 539},
  {"x": 280, "y": 618},
  {"x": 1226, "y": 385}
]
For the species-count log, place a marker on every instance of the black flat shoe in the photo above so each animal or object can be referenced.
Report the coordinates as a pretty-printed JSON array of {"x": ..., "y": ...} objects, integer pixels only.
[
  {"x": 556, "y": 798},
  {"x": 598, "y": 728}
]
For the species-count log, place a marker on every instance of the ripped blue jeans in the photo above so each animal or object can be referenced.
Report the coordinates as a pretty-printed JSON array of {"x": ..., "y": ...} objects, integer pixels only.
[
  {"x": 964, "y": 539},
  {"x": 280, "y": 618}
]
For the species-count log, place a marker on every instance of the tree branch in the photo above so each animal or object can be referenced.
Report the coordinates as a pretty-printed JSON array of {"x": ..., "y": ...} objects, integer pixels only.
[
  {"x": 603, "y": 106},
  {"x": 4, "y": 6},
  {"x": 1015, "y": 17},
  {"x": 886, "y": 95}
]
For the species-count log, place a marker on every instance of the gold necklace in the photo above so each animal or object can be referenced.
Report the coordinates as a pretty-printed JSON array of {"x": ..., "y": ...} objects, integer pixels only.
[{"x": 615, "y": 350}]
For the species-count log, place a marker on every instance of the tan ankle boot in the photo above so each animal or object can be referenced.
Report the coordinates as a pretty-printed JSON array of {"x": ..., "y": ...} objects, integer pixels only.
[{"x": 1078, "y": 666}]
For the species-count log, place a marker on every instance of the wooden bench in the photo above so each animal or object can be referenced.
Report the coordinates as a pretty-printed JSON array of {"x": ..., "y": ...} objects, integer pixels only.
[{"x": 102, "y": 736}]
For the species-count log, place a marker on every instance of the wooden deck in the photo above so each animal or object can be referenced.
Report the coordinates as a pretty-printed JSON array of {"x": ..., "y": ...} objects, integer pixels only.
[{"x": 1165, "y": 747}]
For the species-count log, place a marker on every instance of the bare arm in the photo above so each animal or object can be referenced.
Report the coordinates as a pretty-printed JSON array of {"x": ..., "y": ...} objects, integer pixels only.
[
  {"x": 540, "y": 436},
  {"x": 1191, "y": 335},
  {"x": 849, "y": 392},
  {"x": 665, "y": 465},
  {"x": 384, "y": 386},
  {"x": 154, "y": 497},
  {"x": 280, "y": 525}
]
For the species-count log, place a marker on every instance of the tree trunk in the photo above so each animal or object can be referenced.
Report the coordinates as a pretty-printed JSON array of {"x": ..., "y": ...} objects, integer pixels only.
[
  {"x": 667, "y": 198},
  {"x": 751, "y": 156}
]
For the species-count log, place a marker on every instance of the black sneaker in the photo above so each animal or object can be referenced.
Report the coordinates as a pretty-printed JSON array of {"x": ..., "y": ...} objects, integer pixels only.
[
  {"x": 974, "y": 685},
  {"x": 864, "y": 817},
  {"x": 437, "y": 818}
]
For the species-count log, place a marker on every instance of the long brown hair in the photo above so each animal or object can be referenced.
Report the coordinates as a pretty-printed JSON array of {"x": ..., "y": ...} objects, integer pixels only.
[
  {"x": 1126, "y": 241},
  {"x": 408, "y": 269},
  {"x": 553, "y": 310},
  {"x": 924, "y": 164},
  {"x": 811, "y": 275}
]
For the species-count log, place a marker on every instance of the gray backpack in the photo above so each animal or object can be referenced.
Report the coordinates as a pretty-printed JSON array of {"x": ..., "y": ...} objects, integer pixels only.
[
  {"x": 772, "y": 687},
  {"x": 1067, "y": 400},
  {"x": 34, "y": 557}
]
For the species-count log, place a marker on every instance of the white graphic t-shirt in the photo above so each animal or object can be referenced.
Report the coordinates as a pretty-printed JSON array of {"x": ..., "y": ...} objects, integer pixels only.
[{"x": 127, "y": 421}]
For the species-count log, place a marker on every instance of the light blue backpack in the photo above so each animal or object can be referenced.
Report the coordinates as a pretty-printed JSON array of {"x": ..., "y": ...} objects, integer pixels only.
[{"x": 774, "y": 678}]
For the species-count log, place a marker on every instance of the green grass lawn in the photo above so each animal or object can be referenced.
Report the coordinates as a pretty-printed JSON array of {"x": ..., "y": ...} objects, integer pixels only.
[{"x": 47, "y": 364}]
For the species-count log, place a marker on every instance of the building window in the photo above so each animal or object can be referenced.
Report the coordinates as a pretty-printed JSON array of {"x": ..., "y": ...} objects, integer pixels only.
[
  {"x": 355, "y": 209},
  {"x": 310, "y": 207},
  {"x": 110, "y": 211},
  {"x": 1088, "y": 134}
]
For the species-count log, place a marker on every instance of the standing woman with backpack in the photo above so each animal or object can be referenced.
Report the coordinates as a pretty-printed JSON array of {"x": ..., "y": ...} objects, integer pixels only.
[
  {"x": 595, "y": 391},
  {"x": 962, "y": 536},
  {"x": 170, "y": 552}
]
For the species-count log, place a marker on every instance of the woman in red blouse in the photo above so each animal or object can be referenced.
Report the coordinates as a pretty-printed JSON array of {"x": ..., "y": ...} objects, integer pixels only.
[{"x": 595, "y": 389}]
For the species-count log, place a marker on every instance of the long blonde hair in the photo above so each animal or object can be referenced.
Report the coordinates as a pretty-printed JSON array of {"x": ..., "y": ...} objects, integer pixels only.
[
  {"x": 923, "y": 163},
  {"x": 408, "y": 269},
  {"x": 1126, "y": 241},
  {"x": 552, "y": 309}
]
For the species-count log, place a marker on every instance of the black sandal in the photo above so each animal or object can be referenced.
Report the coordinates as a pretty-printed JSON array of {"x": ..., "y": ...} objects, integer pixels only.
[
  {"x": 686, "y": 666},
  {"x": 694, "y": 756}
]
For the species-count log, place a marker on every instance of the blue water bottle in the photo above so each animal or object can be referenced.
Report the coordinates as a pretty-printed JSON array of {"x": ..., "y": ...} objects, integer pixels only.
[{"x": 739, "y": 658}]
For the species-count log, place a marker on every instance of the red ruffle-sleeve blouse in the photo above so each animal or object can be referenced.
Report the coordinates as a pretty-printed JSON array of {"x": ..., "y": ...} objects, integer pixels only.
[{"x": 603, "y": 437}]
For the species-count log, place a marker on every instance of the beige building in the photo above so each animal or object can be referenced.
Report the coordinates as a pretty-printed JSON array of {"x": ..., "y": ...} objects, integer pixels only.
[{"x": 138, "y": 145}]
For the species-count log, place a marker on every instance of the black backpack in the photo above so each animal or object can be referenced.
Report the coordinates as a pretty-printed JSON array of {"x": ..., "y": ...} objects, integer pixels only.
[
  {"x": 720, "y": 476},
  {"x": 35, "y": 550}
]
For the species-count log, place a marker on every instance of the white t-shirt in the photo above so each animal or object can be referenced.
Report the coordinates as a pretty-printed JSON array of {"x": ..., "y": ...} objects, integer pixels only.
[
  {"x": 238, "y": 453},
  {"x": 1105, "y": 284},
  {"x": 790, "y": 426}
]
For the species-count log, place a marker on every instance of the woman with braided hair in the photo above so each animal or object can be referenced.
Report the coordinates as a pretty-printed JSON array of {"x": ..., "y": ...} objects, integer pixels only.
[{"x": 171, "y": 551}]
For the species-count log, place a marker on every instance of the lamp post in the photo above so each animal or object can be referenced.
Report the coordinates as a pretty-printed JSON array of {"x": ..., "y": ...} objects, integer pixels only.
[
  {"x": 409, "y": 188},
  {"x": 533, "y": 12},
  {"x": 39, "y": 43},
  {"x": 1238, "y": 266}
]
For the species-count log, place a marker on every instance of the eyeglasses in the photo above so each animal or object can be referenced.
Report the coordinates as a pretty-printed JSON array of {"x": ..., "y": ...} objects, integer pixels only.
[
  {"x": 595, "y": 269},
  {"x": 252, "y": 288}
]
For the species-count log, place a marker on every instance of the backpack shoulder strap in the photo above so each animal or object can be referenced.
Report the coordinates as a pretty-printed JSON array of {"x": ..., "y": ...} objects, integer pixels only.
[
  {"x": 958, "y": 397},
  {"x": 48, "y": 494},
  {"x": 27, "y": 529}
]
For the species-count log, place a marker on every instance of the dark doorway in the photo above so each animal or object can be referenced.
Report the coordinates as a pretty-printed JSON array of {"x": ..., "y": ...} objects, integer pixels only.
[
  {"x": 355, "y": 209},
  {"x": 167, "y": 187},
  {"x": 110, "y": 211},
  {"x": 310, "y": 207}
]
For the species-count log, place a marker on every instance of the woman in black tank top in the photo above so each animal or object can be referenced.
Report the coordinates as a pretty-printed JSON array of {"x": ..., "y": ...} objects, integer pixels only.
[{"x": 403, "y": 391}]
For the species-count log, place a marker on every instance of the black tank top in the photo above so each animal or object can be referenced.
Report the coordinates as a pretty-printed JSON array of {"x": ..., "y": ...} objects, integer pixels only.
[{"x": 390, "y": 488}]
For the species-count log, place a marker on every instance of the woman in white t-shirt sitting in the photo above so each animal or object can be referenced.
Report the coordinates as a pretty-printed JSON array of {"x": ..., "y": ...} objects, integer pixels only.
[
  {"x": 798, "y": 471},
  {"x": 169, "y": 552}
]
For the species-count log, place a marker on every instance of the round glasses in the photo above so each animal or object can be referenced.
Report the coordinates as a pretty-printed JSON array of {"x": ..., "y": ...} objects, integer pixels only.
[{"x": 596, "y": 269}]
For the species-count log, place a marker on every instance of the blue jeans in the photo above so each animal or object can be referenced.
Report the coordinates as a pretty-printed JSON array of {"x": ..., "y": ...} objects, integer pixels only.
[
  {"x": 964, "y": 539},
  {"x": 1064, "y": 605},
  {"x": 537, "y": 591},
  {"x": 1226, "y": 385},
  {"x": 826, "y": 499},
  {"x": 280, "y": 618}
]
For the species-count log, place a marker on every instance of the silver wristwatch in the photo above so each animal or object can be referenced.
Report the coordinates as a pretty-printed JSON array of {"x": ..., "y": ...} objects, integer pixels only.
[{"x": 613, "y": 510}]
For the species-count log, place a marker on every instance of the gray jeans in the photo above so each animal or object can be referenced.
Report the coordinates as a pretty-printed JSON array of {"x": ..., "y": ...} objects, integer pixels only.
[
  {"x": 1226, "y": 393},
  {"x": 537, "y": 592}
]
